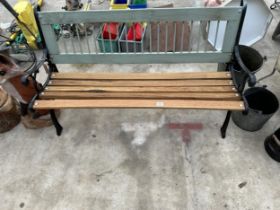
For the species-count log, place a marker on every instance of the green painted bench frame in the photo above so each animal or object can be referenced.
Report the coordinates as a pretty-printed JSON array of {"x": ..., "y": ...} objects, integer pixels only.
[{"x": 232, "y": 15}]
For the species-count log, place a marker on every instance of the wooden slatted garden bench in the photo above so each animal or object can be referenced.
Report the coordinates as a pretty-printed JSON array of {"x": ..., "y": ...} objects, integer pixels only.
[{"x": 183, "y": 27}]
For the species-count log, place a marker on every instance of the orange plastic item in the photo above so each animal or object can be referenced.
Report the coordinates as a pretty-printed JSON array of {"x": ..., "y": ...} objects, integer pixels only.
[{"x": 110, "y": 31}]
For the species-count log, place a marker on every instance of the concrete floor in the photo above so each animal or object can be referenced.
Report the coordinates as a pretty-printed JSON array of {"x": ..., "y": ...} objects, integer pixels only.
[{"x": 142, "y": 159}]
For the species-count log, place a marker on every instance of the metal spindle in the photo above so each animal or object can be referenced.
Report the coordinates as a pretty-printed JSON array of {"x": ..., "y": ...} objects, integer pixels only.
[
  {"x": 151, "y": 48},
  {"x": 199, "y": 34},
  {"x": 64, "y": 43},
  {"x": 191, "y": 33},
  {"x": 134, "y": 36},
  {"x": 71, "y": 37},
  {"x": 182, "y": 36},
  {"x": 87, "y": 38},
  {"x": 126, "y": 40},
  {"x": 94, "y": 40},
  {"x": 110, "y": 38},
  {"x": 174, "y": 40},
  {"x": 158, "y": 31},
  {"x": 216, "y": 34},
  {"x": 101, "y": 37},
  {"x": 166, "y": 36},
  {"x": 79, "y": 40},
  {"x": 142, "y": 44},
  {"x": 207, "y": 33},
  {"x": 119, "y": 45}
]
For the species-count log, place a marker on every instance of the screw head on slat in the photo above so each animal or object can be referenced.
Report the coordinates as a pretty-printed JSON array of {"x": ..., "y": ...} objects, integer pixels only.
[
  {"x": 241, "y": 105},
  {"x": 46, "y": 88},
  {"x": 53, "y": 75},
  {"x": 237, "y": 94},
  {"x": 42, "y": 93},
  {"x": 228, "y": 75},
  {"x": 36, "y": 104},
  {"x": 160, "y": 104},
  {"x": 50, "y": 82},
  {"x": 233, "y": 88},
  {"x": 230, "y": 82}
]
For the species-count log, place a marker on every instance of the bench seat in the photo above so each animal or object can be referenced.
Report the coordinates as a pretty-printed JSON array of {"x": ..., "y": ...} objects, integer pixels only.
[{"x": 192, "y": 90}]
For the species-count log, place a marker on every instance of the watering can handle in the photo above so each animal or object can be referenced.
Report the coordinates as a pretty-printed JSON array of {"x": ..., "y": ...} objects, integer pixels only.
[
  {"x": 276, "y": 68},
  {"x": 252, "y": 78}
]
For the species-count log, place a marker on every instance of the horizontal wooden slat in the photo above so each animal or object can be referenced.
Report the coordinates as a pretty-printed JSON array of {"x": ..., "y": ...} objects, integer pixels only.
[
  {"x": 141, "y": 76},
  {"x": 141, "y": 83},
  {"x": 163, "y": 95},
  {"x": 141, "y": 89},
  {"x": 104, "y": 103}
]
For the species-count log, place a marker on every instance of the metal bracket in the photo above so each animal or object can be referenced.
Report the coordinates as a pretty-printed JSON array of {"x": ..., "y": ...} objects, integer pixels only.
[
  {"x": 240, "y": 89},
  {"x": 252, "y": 78},
  {"x": 52, "y": 68}
]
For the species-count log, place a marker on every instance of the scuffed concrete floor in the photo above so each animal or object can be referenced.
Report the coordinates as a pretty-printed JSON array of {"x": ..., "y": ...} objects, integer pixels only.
[{"x": 137, "y": 159}]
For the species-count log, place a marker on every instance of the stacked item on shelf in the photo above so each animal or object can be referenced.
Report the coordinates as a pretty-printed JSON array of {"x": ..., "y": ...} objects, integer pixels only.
[
  {"x": 138, "y": 4},
  {"x": 114, "y": 37},
  {"x": 132, "y": 37},
  {"x": 119, "y": 4},
  {"x": 108, "y": 37}
]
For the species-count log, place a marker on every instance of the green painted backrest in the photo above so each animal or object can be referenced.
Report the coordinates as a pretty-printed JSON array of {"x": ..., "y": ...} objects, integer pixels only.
[{"x": 176, "y": 35}]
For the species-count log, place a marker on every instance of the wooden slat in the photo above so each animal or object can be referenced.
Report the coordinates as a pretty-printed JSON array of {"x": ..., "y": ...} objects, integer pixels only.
[
  {"x": 104, "y": 103},
  {"x": 141, "y": 76},
  {"x": 163, "y": 95},
  {"x": 141, "y": 89},
  {"x": 139, "y": 83}
]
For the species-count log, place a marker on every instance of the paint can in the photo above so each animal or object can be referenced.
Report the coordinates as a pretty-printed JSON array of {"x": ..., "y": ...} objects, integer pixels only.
[
  {"x": 272, "y": 145},
  {"x": 262, "y": 105}
]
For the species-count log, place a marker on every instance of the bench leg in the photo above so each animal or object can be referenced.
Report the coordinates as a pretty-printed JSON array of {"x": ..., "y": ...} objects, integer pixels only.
[
  {"x": 23, "y": 109},
  {"x": 225, "y": 125},
  {"x": 56, "y": 124}
]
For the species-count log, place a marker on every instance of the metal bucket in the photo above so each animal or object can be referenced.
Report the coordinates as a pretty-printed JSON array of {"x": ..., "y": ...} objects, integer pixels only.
[
  {"x": 247, "y": 60},
  {"x": 272, "y": 145},
  {"x": 262, "y": 104}
]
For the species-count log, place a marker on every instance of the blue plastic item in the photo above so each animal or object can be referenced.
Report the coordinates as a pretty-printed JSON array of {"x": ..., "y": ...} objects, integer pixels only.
[
  {"x": 120, "y": 1},
  {"x": 137, "y": 6}
]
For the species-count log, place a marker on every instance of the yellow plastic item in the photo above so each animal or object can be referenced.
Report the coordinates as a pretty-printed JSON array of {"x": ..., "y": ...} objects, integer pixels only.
[
  {"x": 40, "y": 3},
  {"x": 119, "y": 6},
  {"x": 12, "y": 38},
  {"x": 25, "y": 10},
  {"x": 87, "y": 6}
]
